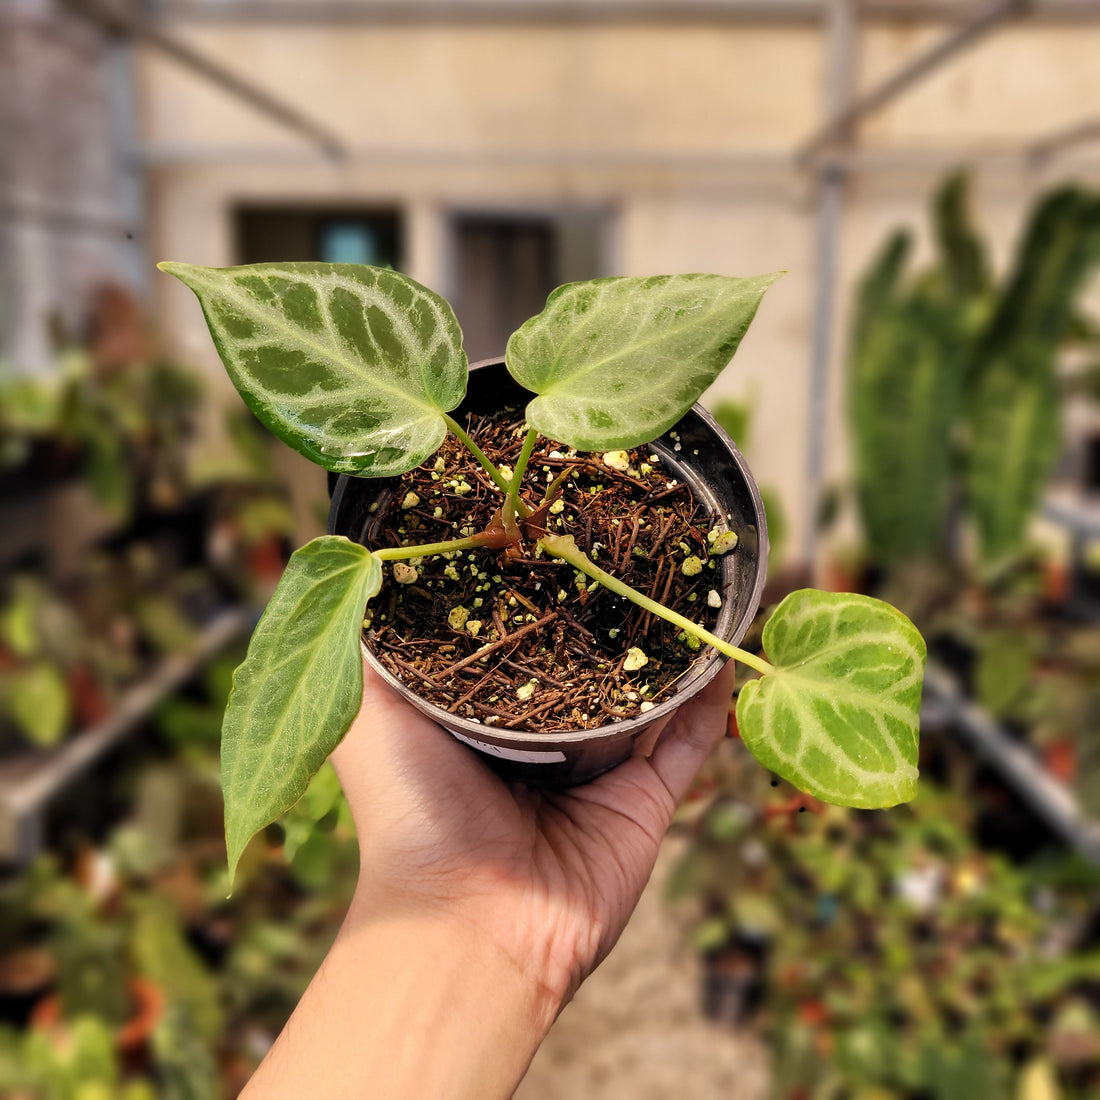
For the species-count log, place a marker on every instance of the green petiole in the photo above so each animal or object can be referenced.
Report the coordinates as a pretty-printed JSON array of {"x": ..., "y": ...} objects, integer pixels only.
[
  {"x": 485, "y": 462},
  {"x": 564, "y": 547},
  {"x": 513, "y": 505},
  {"x": 401, "y": 553}
]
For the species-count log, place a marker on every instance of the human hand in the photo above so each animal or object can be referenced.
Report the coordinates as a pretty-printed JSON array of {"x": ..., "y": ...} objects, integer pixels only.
[
  {"x": 551, "y": 877},
  {"x": 481, "y": 905}
]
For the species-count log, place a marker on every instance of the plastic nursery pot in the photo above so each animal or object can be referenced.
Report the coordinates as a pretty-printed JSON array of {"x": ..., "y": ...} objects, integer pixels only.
[{"x": 720, "y": 479}]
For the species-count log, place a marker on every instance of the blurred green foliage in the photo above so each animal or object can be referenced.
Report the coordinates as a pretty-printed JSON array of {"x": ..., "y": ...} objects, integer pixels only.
[
  {"x": 897, "y": 957},
  {"x": 955, "y": 395},
  {"x": 150, "y": 904},
  {"x": 735, "y": 419},
  {"x": 125, "y": 430}
]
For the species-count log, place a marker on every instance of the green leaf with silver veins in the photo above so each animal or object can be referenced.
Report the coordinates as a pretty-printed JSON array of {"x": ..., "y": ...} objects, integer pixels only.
[
  {"x": 839, "y": 716},
  {"x": 618, "y": 361},
  {"x": 299, "y": 687},
  {"x": 353, "y": 366}
]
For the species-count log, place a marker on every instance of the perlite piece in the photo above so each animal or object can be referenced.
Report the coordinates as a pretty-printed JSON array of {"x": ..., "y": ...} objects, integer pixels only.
[
  {"x": 617, "y": 460},
  {"x": 635, "y": 659},
  {"x": 404, "y": 574},
  {"x": 458, "y": 617},
  {"x": 411, "y": 501},
  {"x": 692, "y": 566},
  {"x": 721, "y": 542},
  {"x": 527, "y": 690},
  {"x": 713, "y": 599}
]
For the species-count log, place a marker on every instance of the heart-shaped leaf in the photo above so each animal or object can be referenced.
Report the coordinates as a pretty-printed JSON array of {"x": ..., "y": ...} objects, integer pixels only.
[
  {"x": 838, "y": 717},
  {"x": 618, "y": 361},
  {"x": 349, "y": 364},
  {"x": 299, "y": 687}
]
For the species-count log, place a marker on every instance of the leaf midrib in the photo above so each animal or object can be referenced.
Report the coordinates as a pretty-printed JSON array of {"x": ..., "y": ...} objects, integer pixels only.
[
  {"x": 630, "y": 349},
  {"x": 803, "y": 673},
  {"x": 308, "y": 665}
]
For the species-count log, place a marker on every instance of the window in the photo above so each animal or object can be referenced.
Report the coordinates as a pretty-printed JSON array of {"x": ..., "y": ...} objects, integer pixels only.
[{"x": 268, "y": 234}]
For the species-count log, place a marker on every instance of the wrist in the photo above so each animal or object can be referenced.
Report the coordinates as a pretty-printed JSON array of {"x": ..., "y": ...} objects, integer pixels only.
[
  {"x": 544, "y": 937},
  {"x": 470, "y": 936},
  {"x": 410, "y": 1003}
]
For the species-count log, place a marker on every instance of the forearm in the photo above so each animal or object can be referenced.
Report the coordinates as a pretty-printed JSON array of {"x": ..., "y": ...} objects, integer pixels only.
[{"x": 408, "y": 1006}]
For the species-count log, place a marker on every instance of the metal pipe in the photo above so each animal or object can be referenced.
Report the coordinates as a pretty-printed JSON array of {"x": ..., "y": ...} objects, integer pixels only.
[
  {"x": 830, "y": 203},
  {"x": 492, "y": 11},
  {"x": 844, "y": 120},
  {"x": 121, "y": 20},
  {"x": 761, "y": 162},
  {"x": 1049, "y": 799},
  {"x": 1042, "y": 151},
  {"x": 130, "y": 187},
  {"x": 767, "y": 12}
]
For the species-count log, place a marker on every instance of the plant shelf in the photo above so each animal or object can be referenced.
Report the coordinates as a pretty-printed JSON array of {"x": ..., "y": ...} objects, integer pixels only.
[
  {"x": 1048, "y": 797},
  {"x": 29, "y": 781},
  {"x": 1079, "y": 516}
]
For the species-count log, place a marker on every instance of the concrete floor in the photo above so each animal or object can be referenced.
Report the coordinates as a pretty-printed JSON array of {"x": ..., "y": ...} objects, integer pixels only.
[{"x": 635, "y": 1030}]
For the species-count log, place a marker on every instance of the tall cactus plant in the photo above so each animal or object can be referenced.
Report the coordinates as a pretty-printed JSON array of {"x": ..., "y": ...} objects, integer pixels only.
[{"x": 954, "y": 388}]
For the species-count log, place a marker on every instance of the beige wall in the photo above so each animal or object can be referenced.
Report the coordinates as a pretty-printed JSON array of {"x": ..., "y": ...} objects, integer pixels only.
[{"x": 683, "y": 134}]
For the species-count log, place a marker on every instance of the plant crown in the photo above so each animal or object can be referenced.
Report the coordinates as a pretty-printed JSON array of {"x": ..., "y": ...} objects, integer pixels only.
[{"x": 358, "y": 368}]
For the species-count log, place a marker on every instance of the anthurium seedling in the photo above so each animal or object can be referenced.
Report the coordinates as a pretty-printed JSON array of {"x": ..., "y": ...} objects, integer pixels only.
[{"x": 359, "y": 368}]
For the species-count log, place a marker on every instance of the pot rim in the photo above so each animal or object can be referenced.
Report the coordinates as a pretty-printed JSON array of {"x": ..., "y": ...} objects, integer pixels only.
[{"x": 709, "y": 666}]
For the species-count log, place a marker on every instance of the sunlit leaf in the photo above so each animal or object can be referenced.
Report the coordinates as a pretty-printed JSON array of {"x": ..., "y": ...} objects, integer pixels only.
[
  {"x": 838, "y": 717},
  {"x": 1054, "y": 259},
  {"x": 618, "y": 361},
  {"x": 962, "y": 250},
  {"x": 38, "y": 702},
  {"x": 299, "y": 687},
  {"x": 351, "y": 365},
  {"x": 906, "y": 384},
  {"x": 879, "y": 287},
  {"x": 1016, "y": 437},
  {"x": 1038, "y": 1081}
]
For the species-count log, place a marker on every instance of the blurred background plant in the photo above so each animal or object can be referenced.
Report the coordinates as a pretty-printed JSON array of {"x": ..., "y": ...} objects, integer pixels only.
[
  {"x": 942, "y": 947},
  {"x": 890, "y": 953},
  {"x": 956, "y": 380},
  {"x": 125, "y": 962}
]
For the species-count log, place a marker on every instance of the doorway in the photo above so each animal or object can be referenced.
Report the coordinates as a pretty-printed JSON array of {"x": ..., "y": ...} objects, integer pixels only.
[{"x": 505, "y": 265}]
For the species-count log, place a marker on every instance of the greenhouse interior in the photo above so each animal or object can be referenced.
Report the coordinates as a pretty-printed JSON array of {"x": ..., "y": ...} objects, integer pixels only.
[{"x": 915, "y": 424}]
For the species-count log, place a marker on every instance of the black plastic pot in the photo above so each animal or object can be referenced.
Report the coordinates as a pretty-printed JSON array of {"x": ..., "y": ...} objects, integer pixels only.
[{"x": 700, "y": 454}]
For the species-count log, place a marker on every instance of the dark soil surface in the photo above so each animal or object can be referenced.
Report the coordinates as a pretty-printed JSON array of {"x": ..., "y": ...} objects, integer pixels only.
[{"x": 531, "y": 644}]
